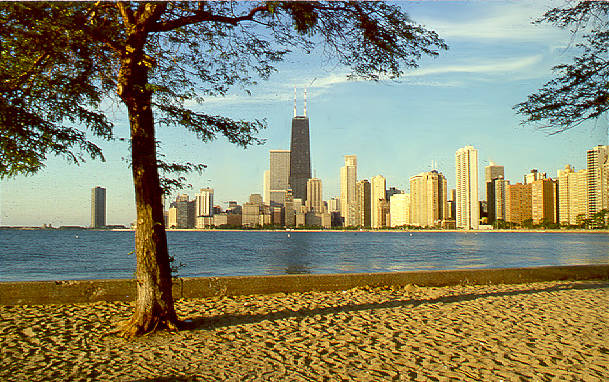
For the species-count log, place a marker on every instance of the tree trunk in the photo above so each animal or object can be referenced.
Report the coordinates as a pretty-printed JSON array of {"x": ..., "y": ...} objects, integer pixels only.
[{"x": 154, "y": 305}]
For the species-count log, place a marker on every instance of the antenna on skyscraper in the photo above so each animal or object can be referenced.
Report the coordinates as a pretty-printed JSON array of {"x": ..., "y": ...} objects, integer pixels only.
[{"x": 305, "y": 102}]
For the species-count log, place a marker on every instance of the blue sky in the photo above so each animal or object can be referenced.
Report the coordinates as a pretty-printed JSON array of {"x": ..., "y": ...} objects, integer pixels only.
[{"x": 396, "y": 129}]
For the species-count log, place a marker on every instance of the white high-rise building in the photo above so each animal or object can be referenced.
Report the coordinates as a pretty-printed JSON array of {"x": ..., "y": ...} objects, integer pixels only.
[
  {"x": 348, "y": 178},
  {"x": 468, "y": 210},
  {"x": 399, "y": 210},
  {"x": 279, "y": 175},
  {"x": 266, "y": 187},
  {"x": 314, "y": 200},
  {"x": 598, "y": 179},
  {"x": 204, "y": 205},
  {"x": 334, "y": 205},
  {"x": 378, "y": 187}
]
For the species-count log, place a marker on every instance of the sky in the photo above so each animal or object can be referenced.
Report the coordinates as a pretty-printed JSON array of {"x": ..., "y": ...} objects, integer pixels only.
[{"x": 465, "y": 96}]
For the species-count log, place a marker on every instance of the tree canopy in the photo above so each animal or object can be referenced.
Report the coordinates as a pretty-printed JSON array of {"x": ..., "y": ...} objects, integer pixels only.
[
  {"x": 160, "y": 59},
  {"x": 580, "y": 90},
  {"x": 60, "y": 62}
]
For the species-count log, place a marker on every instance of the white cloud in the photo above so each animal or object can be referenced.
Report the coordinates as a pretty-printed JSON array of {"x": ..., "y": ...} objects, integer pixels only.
[
  {"x": 495, "y": 66},
  {"x": 505, "y": 21}
]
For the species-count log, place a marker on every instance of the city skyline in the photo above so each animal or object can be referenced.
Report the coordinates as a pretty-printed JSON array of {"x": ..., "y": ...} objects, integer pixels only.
[{"x": 464, "y": 97}]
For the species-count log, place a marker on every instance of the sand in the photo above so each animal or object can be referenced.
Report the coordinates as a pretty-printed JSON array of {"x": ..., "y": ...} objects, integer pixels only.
[{"x": 539, "y": 331}]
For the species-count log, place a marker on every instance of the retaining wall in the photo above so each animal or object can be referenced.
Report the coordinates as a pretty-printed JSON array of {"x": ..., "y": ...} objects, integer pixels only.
[{"x": 68, "y": 292}]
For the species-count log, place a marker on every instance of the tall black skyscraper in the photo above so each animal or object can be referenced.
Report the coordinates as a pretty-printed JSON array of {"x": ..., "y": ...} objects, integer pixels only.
[
  {"x": 98, "y": 207},
  {"x": 300, "y": 153}
]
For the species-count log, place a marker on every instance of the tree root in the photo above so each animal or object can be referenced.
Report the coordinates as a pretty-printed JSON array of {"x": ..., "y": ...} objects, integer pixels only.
[{"x": 141, "y": 326}]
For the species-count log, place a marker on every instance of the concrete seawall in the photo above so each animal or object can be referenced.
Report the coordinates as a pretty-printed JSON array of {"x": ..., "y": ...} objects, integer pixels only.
[{"x": 68, "y": 292}]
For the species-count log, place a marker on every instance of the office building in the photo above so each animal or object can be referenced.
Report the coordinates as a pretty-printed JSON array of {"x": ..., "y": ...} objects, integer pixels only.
[
  {"x": 279, "y": 174},
  {"x": 362, "y": 201},
  {"x": 256, "y": 199},
  {"x": 348, "y": 178},
  {"x": 544, "y": 201},
  {"x": 428, "y": 207},
  {"x": 572, "y": 195},
  {"x": 334, "y": 205},
  {"x": 452, "y": 205},
  {"x": 98, "y": 207},
  {"x": 383, "y": 213},
  {"x": 392, "y": 191},
  {"x": 250, "y": 216},
  {"x": 495, "y": 191},
  {"x": 533, "y": 176},
  {"x": 598, "y": 179},
  {"x": 266, "y": 187},
  {"x": 493, "y": 171},
  {"x": 300, "y": 154},
  {"x": 518, "y": 198},
  {"x": 289, "y": 213},
  {"x": 204, "y": 202},
  {"x": 184, "y": 211},
  {"x": 377, "y": 197},
  {"x": 399, "y": 210},
  {"x": 467, "y": 211},
  {"x": 314, "y": 201}
]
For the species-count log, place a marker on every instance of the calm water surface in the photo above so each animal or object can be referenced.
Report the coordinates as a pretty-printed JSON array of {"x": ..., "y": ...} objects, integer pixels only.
[{"x": 75, "y": 255}]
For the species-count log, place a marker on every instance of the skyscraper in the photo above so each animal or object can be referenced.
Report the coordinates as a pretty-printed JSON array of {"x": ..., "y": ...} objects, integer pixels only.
[
  {"x": 266, "y": 187},
  {"x": 314, "y": 201},
  {"x": 533, "y": 176},
  {"x": 428, "y": 207},
  {"x": 399, "y": 210},
  {"x": 492, "y": 171},
  {"x": 204, "y": 202},
  {"x": 544, "y": 198},
  {"x": 598, "y": 179},
  {"x": 495, "y": 192},
  {"x": 572, "y": 195},
  {"x": 377, "y": 197},
  {"x": 362, "y": 196},
  {"x": 98, "y": 207},
  {"x": 300, "y": 153},
  {"x": 518, "y": 199},
  {"x": 348, "y": 178},
  {"x": 279, "y": 174},
  {"x": 185, "y": 211},
  {"x": 468, "y": 212}
]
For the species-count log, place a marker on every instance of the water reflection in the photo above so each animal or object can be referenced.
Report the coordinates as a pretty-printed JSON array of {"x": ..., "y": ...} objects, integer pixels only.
[{"x": 289, "y": 253}]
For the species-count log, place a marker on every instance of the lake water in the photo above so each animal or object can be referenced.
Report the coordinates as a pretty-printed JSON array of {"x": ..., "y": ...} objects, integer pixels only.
[{"x": 80, "y": 254}]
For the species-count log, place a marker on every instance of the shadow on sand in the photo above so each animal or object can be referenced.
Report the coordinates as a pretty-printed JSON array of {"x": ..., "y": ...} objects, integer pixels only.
[{"x": 213, "y": 322}]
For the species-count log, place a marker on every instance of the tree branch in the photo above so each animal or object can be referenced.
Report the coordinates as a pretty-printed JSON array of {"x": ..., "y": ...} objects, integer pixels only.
[
  {"x": 202, "y": 15},
  {"x": 126, "y": 13}
]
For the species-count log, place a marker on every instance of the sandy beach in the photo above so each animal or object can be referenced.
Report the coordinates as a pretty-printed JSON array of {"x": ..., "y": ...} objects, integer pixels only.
[{"x": 538, "y": 331}]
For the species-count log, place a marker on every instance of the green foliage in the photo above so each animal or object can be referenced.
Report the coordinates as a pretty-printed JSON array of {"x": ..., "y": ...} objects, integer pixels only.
[
  {"x": 51, "y": 81},
  {"x": 61, "y": 61},
  {"x": 600, "y": 219},
  {"x": 580, "y": 91}
]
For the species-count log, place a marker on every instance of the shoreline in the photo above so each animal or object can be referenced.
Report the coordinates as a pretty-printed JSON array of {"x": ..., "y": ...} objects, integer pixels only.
[{"x": 290, "y": 230}]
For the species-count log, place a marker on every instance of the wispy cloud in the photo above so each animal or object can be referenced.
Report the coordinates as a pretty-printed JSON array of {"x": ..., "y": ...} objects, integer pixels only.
[
  {"x": 495, "y": 67},
  {"x": 502, "y": 22}
]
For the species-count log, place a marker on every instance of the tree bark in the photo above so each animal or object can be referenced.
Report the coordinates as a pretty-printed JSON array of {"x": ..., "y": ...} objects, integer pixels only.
[{"x": 154, "y": 305}]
